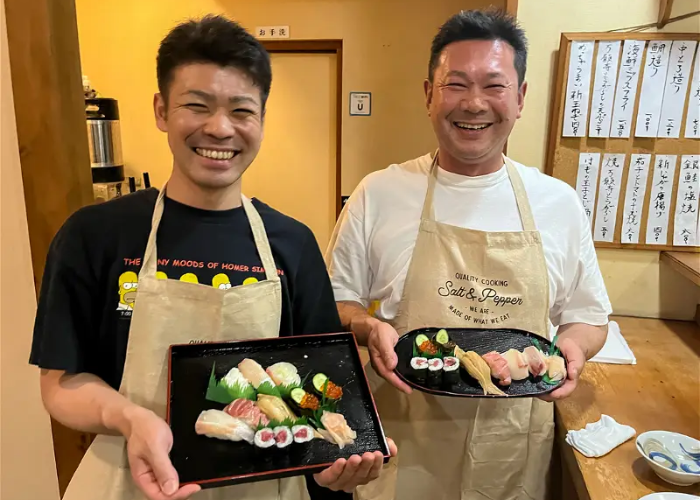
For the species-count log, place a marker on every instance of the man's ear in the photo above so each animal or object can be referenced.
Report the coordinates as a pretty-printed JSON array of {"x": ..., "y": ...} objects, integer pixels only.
[
  {"x": 521, "y": 98},
  {"x": 428, "y": 89},
  {"x": 160, "y": 110}
]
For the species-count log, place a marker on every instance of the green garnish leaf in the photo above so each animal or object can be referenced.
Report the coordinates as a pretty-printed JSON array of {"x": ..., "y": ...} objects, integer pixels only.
[
  {"x": 536, "y": 343},
  {"x": 269, "y": 389},
  {"x": 553, "y": 349},
  {"x": 217, "y": 392},
  {"x": 548, "y": 380},
  {"x": 239, "y": 391}
]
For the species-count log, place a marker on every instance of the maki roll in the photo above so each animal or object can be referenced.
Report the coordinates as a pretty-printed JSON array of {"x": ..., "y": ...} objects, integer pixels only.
[
  {"x": 321, "y": 382},
  {"x": 442, "y": 340},
  {"x": 419, "y": 369},
  {"x": 302, "y": 433},
  {"x": 435, "y": 371},
  {"x": 265, "y": 438},
  {"x": 283, "y": 436},
  {"x": 450, "y": 369},
  {"x": 304, "y": 402}
]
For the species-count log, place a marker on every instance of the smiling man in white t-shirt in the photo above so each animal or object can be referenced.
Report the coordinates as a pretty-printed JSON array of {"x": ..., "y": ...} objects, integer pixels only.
[{"x": 468, "y": 238}]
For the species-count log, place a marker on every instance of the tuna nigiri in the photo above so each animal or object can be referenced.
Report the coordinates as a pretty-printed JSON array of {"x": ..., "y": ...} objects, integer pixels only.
[
  {"x": 284, "y": 374},
  {"x": 338, "y": 429},
  {"x": 220, "y": 425},
  {"x": 254, "y": 373},
  {"x": 247, "y": 410},
  {"x": 556, "y": 369},
  {"x": 517, "y": 364},
  {"x": 499, "y": 367},
  {"x": 537, "y": 363}
]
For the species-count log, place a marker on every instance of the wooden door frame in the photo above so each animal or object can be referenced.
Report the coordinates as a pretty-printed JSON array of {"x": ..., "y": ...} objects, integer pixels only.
[{"x": 321, "y": 47}]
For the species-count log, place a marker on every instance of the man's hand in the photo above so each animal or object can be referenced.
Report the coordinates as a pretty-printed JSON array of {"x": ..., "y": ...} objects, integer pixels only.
[
  {"x": 346, "y": 475},
  {"x": 576, "y": 360},
  {"x": 380, "y": 343},
  {"x": 149, "y": 441}
]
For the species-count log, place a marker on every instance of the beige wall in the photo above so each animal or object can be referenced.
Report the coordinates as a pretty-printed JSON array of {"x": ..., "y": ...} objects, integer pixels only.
[
  {"x": 119, "y": 40},
  {"x": 637, "y": 283},
  {"x": 27, "y": 467}
]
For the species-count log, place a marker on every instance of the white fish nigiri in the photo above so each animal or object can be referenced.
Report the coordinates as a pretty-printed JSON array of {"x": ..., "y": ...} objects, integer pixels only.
[
  {"x": 556, "y": 369},
  {"x": 517, "y": 364},
  {"x": 284, "y": 373},
  {"x": 254, "y": 373},
  {"x": 338, "y": 428},
  {"x": 220, "y": 425},
  {"x": 537, "y": 362}
]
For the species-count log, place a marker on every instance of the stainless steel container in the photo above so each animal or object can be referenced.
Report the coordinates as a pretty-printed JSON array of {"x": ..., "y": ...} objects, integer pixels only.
[{"x": 104, "y": 140}]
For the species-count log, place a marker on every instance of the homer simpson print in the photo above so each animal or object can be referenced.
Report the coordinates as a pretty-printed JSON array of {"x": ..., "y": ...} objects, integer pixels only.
[{"x": 128, "y": 284}]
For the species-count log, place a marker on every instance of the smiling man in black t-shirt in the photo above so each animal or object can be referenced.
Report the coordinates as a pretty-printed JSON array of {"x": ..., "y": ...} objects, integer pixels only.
[{"x": 214, "y": 79}]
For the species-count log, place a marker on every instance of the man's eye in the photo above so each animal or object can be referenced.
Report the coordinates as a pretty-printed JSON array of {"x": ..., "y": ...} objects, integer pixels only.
[
  {"x": 495, "y": 86},
  {"x": 195, "y": 106},
  {"x": 243, "y": 111}
]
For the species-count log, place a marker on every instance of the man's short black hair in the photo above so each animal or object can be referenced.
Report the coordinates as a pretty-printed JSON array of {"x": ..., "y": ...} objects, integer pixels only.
[
  {"x": 491, "y": 24},
  {"x": 217, "y": 40}
]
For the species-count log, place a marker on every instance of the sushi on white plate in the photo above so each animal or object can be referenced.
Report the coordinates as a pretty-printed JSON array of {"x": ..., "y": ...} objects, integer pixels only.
[
  {"x": 220, "y": 425},
  {"x": 284, "y": 374}
]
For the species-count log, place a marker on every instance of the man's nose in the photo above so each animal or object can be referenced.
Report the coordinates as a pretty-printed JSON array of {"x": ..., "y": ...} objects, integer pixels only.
[
  {"x": 473, "y": 102},
  {"x": 220, "y": 126}
]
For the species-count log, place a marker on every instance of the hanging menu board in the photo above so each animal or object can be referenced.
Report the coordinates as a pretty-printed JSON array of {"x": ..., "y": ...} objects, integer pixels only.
[{"x": 625, "y": 133}]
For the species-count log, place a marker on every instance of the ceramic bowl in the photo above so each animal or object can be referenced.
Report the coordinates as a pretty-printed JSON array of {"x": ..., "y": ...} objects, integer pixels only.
[
  {"x": 669, "y": 496},
  {"x": 674, "y": 457}
]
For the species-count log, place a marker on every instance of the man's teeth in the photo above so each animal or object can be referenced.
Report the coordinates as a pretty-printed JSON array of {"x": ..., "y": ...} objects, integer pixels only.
[
  {"x": 472, "y": 127},
  {"x": 215, "y": 155}
]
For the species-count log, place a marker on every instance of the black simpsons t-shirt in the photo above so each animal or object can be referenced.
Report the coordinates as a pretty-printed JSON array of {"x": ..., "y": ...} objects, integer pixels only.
[{"x": 91, "y": 278}]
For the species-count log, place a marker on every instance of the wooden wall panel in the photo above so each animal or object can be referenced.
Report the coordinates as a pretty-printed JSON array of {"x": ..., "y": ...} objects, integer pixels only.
[{"x": 47, "y": 87}]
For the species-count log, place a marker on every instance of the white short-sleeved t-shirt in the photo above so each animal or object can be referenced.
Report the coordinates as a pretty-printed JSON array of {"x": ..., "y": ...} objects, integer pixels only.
[{"x": 373, "y": 241}]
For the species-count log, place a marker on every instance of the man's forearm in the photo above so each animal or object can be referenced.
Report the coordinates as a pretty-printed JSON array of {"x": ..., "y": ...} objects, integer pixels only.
[
  {"x": 590, "y": 338},
  {"x": 355, "y": 318},
  {"x": 86, "y": 403}
]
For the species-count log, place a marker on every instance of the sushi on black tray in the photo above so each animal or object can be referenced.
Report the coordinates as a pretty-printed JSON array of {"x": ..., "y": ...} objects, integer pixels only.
[{"x": 269, "y": 408}]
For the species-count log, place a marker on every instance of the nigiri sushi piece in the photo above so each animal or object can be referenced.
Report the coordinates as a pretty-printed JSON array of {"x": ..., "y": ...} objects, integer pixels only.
[
  {"x": 254, "y": 373},
  {"x": 537, "y": 362},
  {"x": 479, "y": 369},
  {"x": 556, "y": 369},
  {"x": 338, "y": 429},
  {"x": 274, "y": 408},
  {"x": 284, "y": 374},
  {"x": 248, "y": 411},
  {"x": 237, "y": 385},
  {"x": 499, "y": 367},
  {"x": 220, "y": 425},
  {"x": 517, "y": 364}
]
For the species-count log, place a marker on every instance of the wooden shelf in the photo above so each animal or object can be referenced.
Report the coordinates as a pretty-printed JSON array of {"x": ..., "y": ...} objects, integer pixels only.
[{"x": 687, "y": 264}]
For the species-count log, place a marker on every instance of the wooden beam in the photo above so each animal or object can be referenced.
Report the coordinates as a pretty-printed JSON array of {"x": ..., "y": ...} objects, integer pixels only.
[
  {"x": 665, "y": 7},
  {"x": 512, "y": 7},
  {"x": 686, "y": 264},
  {"x": 51, "y": 129}
]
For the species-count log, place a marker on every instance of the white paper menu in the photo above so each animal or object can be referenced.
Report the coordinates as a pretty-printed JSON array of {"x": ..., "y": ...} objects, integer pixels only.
[
  {"x": 692, "y": 122},
  {"x": 634, "y": 198},
  {"x": 651, "y": 97},
  {"x": 578, "y": 89},
  {"x": 660, "y": 199},
  {"x": 676, "y": 88},
  {"x": 685, "y": 226},
  {"x": 604, "y": 88},
  {"x": 626, "y": 93},
  {"x": 587, "y": 181},
  {"x": 608, "y": 196}
]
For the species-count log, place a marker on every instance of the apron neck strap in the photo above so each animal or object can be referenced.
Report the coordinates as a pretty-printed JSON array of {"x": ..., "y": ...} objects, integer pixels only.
[
  {"x": 526, "y": 218},
  {"x": 150, "y": 258}
]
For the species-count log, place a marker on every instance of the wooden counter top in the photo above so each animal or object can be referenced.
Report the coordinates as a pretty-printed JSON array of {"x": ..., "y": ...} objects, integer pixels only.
[
  {"x": 660, "y": 392},
  {"x": 687, "y": 264}
]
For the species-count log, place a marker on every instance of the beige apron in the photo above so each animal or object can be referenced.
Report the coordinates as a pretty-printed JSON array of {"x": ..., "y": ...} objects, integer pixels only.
[
  {"x": 175, "y": 312},
  {"x": 455, "y": 448}
]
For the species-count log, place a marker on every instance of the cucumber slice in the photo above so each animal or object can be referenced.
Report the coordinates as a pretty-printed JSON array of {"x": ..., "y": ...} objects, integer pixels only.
[
  {"x": 297, "y": 395},
  {"x": 319, "y": 382},
  {"x": 420, "y": 339},
  {"x": 441, "y": 337}
]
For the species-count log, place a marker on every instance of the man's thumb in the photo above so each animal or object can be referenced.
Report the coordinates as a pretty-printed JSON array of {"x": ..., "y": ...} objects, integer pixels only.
[{"x": 165, "y": 473}]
